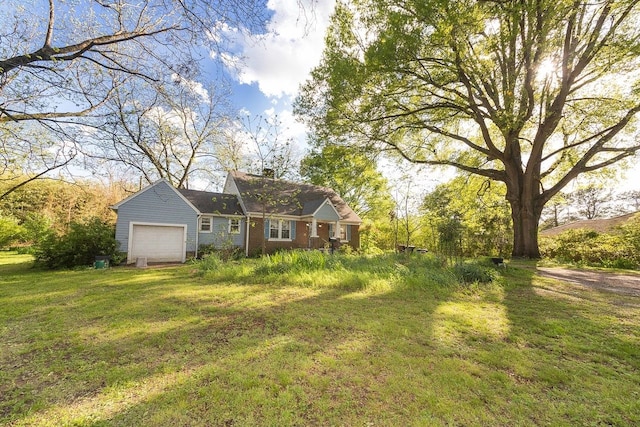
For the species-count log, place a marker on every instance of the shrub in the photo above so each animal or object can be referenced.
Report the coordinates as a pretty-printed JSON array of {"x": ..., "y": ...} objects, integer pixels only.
[
  {"x": 225, "y": 253},
  {"x": 209, "y": 262},
  {"x": 472, "y": 272},
  {"x": 79, "y": 246},
  {"x": 616, "y": 250}
]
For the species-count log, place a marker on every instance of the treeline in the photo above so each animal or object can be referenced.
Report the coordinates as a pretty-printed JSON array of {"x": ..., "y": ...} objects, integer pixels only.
[{"x": 63, "y": 224}]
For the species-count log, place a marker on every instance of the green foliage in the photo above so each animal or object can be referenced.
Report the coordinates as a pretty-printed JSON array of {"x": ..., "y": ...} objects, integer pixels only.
[
  {"x": 209, "y": 261},
  {"x": 295, "y": 261},
  {"x": 58, "y": 203},
  {"x": 79, "y": 246},
  {"x": 36, "y": 226},
  {"x": 588, "y": 247},
  {"x": 468, "y": 216},
  {"x": 475, "y": 272},
  {"x": 10, "y": 231},
  {"x": 225, "y": 251},
  {"x": 345, "y": 271}
]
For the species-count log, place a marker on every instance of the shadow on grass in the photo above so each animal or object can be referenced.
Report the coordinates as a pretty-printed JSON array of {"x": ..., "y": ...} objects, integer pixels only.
[
  {"x": 573, "y": 349},
  {"x": 166, "y": 348},
  {"x": 118, "y": 346}
]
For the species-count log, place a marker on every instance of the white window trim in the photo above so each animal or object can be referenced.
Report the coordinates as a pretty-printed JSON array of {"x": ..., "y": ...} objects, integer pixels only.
[
  {"x": 342, "y": 227},
  {"x": 279, "y": 238},
  {"x": 231, "y": 220},
  {"x": 210, "y": 230}
]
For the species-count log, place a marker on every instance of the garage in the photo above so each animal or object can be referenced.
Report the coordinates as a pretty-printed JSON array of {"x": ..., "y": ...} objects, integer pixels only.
[{"x": 157, "y": 242}]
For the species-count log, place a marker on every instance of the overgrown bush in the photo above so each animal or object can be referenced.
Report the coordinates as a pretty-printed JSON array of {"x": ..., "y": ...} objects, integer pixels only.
[
  {"x": 209, "y": 261},
  {"x": 474, "y": 272},
  {"x": 586, "y": 247},
  {"x": 78, "y": 246},
  {"x": 225, "y": 253}
]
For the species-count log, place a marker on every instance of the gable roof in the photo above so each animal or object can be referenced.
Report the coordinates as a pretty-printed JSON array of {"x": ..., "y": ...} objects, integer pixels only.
[
  {"x": 599, "y": 225},
  {"x": 203, "y": 202},
  {"x": 213, "y": 203},
  {"x": 149, "y": 187},
  {"x": 280, "y": 197}
]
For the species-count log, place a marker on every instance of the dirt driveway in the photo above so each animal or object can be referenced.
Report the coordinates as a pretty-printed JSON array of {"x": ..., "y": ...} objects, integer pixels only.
[{"x": 623, "y": 284}]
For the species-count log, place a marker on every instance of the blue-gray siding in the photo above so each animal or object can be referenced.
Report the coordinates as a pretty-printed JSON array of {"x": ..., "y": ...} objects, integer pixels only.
[
  {"x": 220, "y": 236},
  {"x": 157, "y": 204},
  {"x": 327, "y": 213}
]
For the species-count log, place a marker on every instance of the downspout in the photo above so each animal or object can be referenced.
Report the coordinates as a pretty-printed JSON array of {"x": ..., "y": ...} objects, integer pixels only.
[
  {"x": 198, "y": 233},
  {"x": 246, "y": 244}
]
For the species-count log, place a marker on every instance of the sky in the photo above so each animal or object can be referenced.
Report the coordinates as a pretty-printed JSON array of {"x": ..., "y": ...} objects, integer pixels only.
[{"x": 268, "y": 69}]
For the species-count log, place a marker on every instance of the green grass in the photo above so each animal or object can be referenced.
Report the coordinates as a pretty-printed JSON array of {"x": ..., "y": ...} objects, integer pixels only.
[{"x": 289, "y": 340}]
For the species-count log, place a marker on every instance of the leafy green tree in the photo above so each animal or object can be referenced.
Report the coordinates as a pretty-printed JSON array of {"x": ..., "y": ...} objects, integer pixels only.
[
  {"x": 10, "y": 230},
  {"x": 475, "y": 209},
  {"x": 528, "y": 93}
]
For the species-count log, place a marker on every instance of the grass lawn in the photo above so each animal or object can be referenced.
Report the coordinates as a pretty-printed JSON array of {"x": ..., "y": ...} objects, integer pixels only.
[{"x": 385, "y": 341}]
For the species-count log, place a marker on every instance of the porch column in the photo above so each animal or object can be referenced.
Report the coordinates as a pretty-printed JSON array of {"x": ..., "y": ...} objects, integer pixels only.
[
  {"x": 314, "y": 227},
  {"x": 336, "y": 230}
]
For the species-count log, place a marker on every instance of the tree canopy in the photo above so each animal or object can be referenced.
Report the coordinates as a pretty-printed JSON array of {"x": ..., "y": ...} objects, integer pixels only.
[
  {"x": 63, "y": 62},
  {"x": 531, "y": 93}
]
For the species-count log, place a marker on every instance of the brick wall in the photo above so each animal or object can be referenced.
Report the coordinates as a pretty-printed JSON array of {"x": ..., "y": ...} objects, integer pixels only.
[{"x": 302, "y": 240}]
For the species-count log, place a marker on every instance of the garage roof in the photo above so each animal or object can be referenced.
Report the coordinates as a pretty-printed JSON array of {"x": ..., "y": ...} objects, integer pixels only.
[{"x": 213, "y": 203}]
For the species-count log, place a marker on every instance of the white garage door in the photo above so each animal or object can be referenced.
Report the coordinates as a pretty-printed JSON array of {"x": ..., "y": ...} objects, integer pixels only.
[{"x": 158, "y": 243}]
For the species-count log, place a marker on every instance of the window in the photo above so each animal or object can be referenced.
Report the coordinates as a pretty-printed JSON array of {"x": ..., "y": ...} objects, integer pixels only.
[
  {"x": 344, "y": 234},
  {"x": 234, "y": 226},
  {"x": 274, "y": 229},
  {"x": 285, "y": 229},
  {"x": 205, "y": 224},
  {"x": 280, "y": 229}
]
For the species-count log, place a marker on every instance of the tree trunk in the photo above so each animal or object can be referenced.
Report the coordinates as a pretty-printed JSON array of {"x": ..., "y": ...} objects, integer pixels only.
[
  {"x": 526, "y": 209},
  {"x": 525, "y": 234}
]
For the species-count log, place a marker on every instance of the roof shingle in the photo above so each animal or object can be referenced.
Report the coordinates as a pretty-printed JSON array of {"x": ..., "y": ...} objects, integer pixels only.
[
  {"x": 213, "y": 203},
  {"x": 282, "y": 197}
]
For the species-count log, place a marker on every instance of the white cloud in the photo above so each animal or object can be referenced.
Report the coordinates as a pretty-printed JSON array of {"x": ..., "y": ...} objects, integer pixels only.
[
  {"x": 193, "y": 86},
  {"x": 280, "y": 60}
]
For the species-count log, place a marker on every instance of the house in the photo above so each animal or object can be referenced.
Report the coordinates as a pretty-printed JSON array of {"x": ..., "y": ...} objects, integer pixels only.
[
  {"x": 165, "y": 224},
  {"x": 254, "y": 213},
  {"x": 287, "y": 215}
]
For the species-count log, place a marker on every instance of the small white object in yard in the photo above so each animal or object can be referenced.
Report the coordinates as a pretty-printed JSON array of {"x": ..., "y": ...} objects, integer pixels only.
[{"x": 141, "y": 262}]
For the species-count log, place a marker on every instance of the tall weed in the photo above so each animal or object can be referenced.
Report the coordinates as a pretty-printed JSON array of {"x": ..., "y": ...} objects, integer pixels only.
[{"x": 316, "y": 269}]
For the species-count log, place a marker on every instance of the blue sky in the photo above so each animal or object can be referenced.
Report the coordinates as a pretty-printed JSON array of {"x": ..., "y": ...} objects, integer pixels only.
[{"x": 267, "y": 69}]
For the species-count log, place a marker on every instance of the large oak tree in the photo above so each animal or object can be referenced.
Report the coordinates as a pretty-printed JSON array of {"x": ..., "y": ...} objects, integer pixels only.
[{"x": 531, "y": 93}]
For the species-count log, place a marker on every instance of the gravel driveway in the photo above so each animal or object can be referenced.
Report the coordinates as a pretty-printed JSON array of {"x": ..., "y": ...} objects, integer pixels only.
[{"x": 623, "y": 284}]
